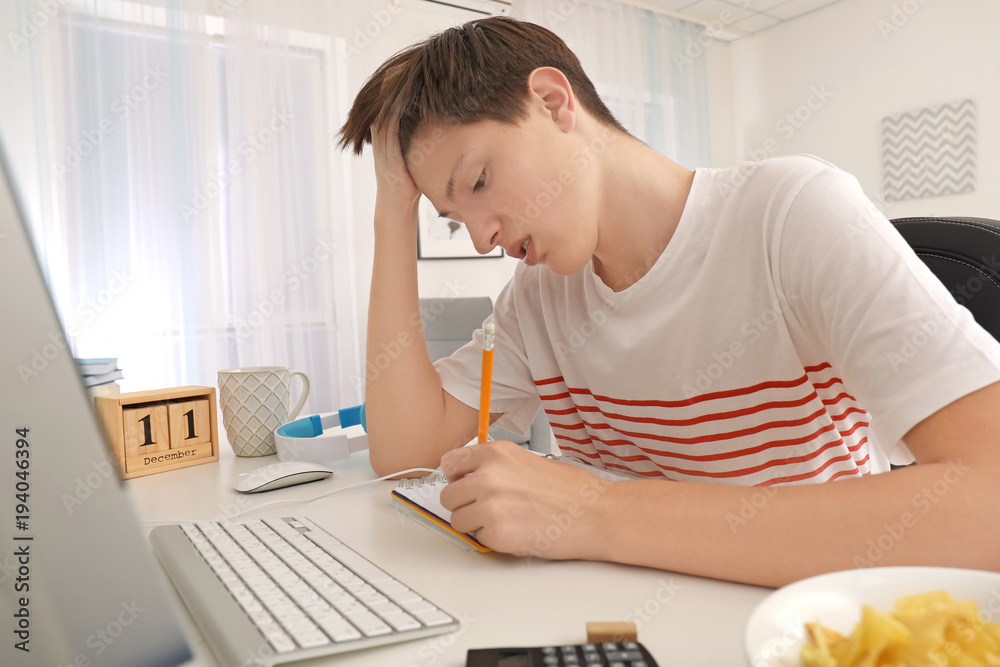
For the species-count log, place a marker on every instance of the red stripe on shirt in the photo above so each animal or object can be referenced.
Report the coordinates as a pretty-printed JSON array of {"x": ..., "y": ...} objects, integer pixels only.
[
  {"x": 644, "y": 473},
  {"x": 716, "y": 416},
  {"x": 749, "y": 451},
  {"x": 644, "y": 453},
  {"x": 728, "y": 393},
  {"x": 743, "y": 472},
  {"x": 589, "y": 455},
  {"x": 829, "y": 383},
  {"x": 569, "y": 427},
  {"x": 836, "y": 399},
  {"x": 692, "y": 421},
  {"x": 716, "y": 437},
  {"x": 722, "y": 456},
  {"x": 818, "y": 367},
  {"x": 814, "y": 473}
]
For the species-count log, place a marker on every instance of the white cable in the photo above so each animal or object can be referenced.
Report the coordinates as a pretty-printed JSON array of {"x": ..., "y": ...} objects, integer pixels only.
[{"x": 305, "y": 501}]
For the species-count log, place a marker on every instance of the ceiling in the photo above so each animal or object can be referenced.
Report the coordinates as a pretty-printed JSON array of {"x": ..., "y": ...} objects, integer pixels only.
[{"x": 738, "y": 18}]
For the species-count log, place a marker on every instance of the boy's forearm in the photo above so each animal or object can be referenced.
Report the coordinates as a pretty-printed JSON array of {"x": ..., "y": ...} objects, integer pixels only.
[
  {"x": 931, "y": 514},
  {"x": 402, "y": 390}
]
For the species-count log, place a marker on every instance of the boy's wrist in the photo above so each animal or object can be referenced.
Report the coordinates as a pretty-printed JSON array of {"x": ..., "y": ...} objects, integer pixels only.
[
  {"x": 395, "y": 212},
  {"x": 616, "y": 530},
  {"x": 605, "y": 522}
]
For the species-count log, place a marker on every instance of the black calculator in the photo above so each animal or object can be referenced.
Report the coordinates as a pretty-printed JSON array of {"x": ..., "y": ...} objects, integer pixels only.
[{"x": 608, "y": 654}]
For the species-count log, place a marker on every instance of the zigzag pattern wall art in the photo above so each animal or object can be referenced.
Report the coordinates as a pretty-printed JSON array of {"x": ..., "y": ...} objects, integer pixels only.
[{"x": 929, "y": 152}]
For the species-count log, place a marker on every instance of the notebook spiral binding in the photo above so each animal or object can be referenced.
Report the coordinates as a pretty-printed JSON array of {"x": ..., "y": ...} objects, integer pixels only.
[
  {"x": 432, "y": 478},
  {"x": 437, "y": 477}
]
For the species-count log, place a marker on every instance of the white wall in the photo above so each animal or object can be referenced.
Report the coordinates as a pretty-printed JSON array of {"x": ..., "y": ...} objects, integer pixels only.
[
  {"x": 722, "y": 123},
  {"x": 870, "y": 59}
]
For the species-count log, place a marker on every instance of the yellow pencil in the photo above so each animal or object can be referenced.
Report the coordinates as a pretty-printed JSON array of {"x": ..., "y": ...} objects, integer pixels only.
[{"x": 486, "y": 382}]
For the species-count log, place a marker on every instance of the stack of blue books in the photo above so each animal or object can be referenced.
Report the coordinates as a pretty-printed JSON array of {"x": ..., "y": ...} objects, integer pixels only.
[{"x": 100, "y": 375}]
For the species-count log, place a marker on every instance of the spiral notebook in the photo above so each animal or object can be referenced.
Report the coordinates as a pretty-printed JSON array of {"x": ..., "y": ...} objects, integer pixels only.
[{"x": 420, "y": 499}]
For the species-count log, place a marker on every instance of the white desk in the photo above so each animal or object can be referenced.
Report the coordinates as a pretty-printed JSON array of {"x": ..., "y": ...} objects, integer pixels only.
[{"x": 502, "y": 600}]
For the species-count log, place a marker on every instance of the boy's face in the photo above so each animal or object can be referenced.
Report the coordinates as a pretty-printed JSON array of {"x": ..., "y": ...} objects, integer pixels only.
[{"x": 510, "y": 185}]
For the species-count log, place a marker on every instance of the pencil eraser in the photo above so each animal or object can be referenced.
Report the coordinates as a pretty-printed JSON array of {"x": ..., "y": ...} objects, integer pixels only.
[{"x": 598, "y": 633}]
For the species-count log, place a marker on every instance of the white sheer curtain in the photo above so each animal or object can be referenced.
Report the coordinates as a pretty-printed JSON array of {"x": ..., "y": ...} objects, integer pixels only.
[
  {"x": 641, "y": 65},
  {"x": 190, "y": 207}
]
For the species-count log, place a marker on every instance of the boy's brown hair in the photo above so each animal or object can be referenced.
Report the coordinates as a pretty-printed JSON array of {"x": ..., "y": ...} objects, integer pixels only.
[{"x": 473, "y": 72}]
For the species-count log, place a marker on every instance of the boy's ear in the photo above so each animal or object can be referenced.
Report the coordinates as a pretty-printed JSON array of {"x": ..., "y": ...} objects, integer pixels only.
[{"x": 550, "y": 87}]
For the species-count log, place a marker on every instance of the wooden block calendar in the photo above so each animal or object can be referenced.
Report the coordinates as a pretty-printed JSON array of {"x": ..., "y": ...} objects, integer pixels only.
[{"x": 165, "y": 429}]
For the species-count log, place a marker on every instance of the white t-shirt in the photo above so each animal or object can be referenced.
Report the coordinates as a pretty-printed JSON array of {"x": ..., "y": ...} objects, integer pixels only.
[{"x": 787, "y": 334}]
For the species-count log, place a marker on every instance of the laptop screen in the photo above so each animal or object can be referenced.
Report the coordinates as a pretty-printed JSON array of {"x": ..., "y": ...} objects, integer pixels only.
[{"x": 78, "y": 583}]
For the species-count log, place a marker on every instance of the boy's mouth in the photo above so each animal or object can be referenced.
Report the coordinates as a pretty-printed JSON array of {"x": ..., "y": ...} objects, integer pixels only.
[
  {"x": 525, "y": 250},
  {"x": 528, "y": 252},
  {"x": 520, "y": 250}
]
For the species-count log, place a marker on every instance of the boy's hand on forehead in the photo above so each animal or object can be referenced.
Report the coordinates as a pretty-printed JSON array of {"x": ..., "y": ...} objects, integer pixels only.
[{"x": 396, "y": 188}]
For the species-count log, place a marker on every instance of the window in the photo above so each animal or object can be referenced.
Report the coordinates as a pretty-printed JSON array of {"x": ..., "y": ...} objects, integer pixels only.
[{"x": 194, "y": 214}]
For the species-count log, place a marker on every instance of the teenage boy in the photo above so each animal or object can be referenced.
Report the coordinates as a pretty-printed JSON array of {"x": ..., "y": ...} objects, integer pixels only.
[{"x": 748, "y": 333}]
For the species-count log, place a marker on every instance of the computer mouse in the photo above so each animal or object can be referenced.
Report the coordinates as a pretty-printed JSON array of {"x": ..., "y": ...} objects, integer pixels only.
[{"x": 278, "y": 475}]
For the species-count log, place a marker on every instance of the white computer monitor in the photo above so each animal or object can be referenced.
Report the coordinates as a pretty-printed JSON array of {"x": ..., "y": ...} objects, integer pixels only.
[{"x": 79, "y": 585}]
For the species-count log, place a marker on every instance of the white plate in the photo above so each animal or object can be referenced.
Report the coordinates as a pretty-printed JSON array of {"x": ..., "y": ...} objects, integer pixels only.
[{"x": 776, "y": 632}]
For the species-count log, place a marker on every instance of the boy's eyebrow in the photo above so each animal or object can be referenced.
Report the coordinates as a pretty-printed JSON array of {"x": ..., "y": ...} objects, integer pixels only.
[{"x": 449, "y": 189}]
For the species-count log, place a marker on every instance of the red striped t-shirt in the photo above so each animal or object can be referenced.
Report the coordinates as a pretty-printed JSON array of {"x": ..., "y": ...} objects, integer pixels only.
[{"x": 787, "y": 334}]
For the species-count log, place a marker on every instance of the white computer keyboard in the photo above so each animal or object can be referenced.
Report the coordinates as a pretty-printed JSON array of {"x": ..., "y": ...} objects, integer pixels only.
[{"x": 296, "y": 591}]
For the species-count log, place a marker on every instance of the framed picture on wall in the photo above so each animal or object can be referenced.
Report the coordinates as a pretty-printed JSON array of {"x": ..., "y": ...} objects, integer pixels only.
[{"x": 441, "y": 238}]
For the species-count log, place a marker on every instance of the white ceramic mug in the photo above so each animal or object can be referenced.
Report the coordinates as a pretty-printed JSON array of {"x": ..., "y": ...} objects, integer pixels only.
[{"x": 255, "y": 402}]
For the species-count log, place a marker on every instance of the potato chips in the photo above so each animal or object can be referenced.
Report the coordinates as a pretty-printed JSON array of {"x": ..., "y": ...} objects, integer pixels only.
[{"x": 927, "y": 630}]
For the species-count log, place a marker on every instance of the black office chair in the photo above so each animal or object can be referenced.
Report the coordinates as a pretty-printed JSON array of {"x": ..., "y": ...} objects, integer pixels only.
[{"x": 964, "y": 253}]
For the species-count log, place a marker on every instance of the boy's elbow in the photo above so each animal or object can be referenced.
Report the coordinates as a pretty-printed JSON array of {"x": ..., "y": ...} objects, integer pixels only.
[{"x": 386, "y": 462}]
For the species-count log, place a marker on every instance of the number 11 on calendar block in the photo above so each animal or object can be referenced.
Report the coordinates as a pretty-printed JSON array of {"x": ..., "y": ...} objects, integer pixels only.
[{"x": 156, "y": 431}]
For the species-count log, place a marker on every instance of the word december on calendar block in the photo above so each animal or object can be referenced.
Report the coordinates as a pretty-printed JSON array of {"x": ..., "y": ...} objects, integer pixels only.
[{"x": 165, "y": 429}]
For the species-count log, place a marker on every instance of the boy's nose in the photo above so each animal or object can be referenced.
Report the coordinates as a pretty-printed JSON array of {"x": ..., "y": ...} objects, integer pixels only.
[{"x": 485, "y": 234}]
